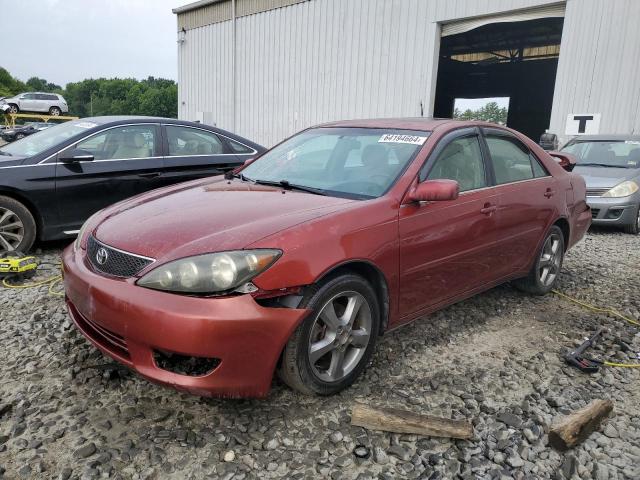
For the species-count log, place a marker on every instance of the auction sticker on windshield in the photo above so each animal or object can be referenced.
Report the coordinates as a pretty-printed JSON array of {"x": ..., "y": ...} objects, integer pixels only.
[
  {"x": 86, "y": 125},
  {"x": 395, "y": 138}
]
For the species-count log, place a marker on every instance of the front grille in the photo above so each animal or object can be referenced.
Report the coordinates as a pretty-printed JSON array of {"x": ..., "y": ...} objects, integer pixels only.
[
  {"x": 114, "y": 262},
  {"x": 596, "y": 192},
  {"x": 595, "y": 212}
]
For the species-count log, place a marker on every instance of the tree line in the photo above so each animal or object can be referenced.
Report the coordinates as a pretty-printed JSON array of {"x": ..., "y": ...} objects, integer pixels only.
[
  {"x": 491, "y": 112},
  {"x": 104, "y": 96}
]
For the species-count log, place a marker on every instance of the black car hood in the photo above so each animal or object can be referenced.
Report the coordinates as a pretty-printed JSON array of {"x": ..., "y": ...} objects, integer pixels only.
[{"x": 605, "y": 177}]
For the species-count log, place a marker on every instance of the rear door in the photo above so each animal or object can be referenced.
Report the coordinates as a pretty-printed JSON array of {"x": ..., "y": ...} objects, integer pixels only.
[
  {"x": 527, "y": 198},
  {"x": 448, "y": 248},
  {"x": 43, "y": 102},
  {"x": 127, "y": 162},
  {"x": 192, "y": 153}
]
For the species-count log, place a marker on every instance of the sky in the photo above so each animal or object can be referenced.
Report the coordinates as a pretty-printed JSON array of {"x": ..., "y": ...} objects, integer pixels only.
[
  {"x": 70, "y": 40},
  {"x": 463, "y": 104}
]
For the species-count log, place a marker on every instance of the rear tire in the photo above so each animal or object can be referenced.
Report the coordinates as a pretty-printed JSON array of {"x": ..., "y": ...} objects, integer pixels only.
[
  {"x": 545, "y": 271},
  {"x": 55, "y": 111},
  {"x": 634, "y": 228},
  {"x": 333, "y": 345},
  {"x": 17, "y": 226}
]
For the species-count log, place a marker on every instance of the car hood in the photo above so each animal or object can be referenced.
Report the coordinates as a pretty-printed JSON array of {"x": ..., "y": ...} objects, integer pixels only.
[
  {"x": 605, "y": 177},
  {"x": 207, "y": 217}
]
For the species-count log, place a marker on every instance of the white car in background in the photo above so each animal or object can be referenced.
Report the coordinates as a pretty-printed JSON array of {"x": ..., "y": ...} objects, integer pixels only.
[{"x": 40, "y": 102}]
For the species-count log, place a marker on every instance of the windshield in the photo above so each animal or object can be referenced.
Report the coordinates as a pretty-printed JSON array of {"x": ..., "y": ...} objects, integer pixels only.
[
  {"x": 620, "y": 154},
  {"x": 348, "y": 162},
  {"x": 40, "y": 141}
]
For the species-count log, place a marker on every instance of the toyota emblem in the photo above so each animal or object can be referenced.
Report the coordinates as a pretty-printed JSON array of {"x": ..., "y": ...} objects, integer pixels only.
[{"x": 101, "y": 256}]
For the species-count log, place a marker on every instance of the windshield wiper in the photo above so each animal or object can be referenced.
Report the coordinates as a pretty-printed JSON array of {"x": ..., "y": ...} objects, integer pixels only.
[
  {"x": 5, "y": 153},
  {"x": 291, "y": 186},
  {"x": 600, "y": 165},
  {"x": 230, "y": 175}
]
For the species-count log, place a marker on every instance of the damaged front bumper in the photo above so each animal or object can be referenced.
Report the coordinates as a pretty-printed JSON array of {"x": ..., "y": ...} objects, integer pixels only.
[{"x": 234, "y": 341}]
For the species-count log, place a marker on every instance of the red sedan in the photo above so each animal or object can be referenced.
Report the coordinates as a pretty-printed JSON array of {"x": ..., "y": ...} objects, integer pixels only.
[{"x": 299, "y": 261}]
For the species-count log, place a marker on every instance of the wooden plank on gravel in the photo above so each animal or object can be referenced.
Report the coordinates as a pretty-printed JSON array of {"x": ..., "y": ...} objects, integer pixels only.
[
  {"x": 576, "y": 427},
  {"x": 402, "y": 421}
]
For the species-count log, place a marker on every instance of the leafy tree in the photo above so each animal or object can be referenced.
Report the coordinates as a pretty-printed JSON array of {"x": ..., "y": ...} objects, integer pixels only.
[
  {"x": 41, "y": 85},
  {"x": 491, "y": 112}
]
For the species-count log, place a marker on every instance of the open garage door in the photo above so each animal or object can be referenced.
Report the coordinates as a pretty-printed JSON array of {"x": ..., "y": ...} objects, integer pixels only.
[{"x": 513, "y": 55}]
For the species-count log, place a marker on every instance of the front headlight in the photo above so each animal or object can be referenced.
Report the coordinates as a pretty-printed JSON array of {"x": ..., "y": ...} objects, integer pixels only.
[
  {"x": 210, "y": 273},
  {"x": 623, "y": 189}
]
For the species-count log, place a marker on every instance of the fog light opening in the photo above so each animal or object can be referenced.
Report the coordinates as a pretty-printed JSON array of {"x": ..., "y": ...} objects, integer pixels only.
[
  {"x": 184, "y": 364},
  {"x": 614, "y": 213}
]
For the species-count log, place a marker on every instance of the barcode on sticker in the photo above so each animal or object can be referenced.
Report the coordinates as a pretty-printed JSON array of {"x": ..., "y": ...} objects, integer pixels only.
[{"x": 395, "y": 138}]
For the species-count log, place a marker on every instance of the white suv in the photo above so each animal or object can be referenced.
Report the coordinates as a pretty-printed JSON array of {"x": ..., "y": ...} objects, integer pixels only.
[{"x": 51, "y": 103}]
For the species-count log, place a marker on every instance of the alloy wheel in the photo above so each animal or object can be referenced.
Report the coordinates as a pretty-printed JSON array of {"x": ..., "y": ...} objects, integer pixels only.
[
  {"x": 11, "y": 230},
  {"x": 550, "y": 259},
  {"x": 13, "y": 109},
  {"x": 55, "y": 112},
  {"x": 339, "y": 336}
]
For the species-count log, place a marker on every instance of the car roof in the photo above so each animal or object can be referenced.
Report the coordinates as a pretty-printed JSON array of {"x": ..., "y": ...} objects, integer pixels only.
[
  {"x": 407, "y": 123},
  {"x": 604, "y": 137}
]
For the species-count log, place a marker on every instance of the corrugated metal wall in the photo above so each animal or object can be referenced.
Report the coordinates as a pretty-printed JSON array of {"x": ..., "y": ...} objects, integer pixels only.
[
  {"x": 599, "y": 65},
  {"x": 323, "y": 60}
]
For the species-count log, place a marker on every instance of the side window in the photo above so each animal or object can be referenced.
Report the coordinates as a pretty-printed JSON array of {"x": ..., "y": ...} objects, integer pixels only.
[
  {"x": 538, "y": 168},
  {"x": 461, "y": 160},
  {"x": 511, "y": 160},
  {"x": 239, "y": 148},
  {"x": 192, "y": 141},
  {"x": 42, "y": 96},
  {"x": 51, "y": 97},
  {"x": 129, "y": 142},
  {"x": 29, "y": 96}
]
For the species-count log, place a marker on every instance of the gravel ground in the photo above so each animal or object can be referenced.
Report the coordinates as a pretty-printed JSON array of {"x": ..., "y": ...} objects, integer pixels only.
[{"x": 68, "y": 412}]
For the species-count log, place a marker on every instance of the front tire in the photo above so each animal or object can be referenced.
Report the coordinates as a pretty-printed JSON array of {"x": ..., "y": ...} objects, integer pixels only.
[
  {"x": 55, "y": 111},
  {"x": 17, "y": 226},
  {"x": 333, "y": 345},
  {"x": 13, "y": 108},
  {"x": 544, "y": 274},
  {"x": 634, "y": 228}
]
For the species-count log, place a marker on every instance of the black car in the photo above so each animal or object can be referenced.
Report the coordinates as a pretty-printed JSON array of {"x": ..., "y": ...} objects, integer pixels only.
[
  {"x": 53, "y": 180},
  {"x": 21, "y": 131}
]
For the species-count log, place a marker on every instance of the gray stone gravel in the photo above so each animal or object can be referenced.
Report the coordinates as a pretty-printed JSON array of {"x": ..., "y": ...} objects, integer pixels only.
[{"x": 67, "y": 412}]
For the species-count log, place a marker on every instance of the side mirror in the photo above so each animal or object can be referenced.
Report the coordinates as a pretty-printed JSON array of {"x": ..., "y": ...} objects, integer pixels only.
[
  {"x": 565, "y": 160},
  {"x": 75, "y": 155},
  {"x": 435, "y": 191}
]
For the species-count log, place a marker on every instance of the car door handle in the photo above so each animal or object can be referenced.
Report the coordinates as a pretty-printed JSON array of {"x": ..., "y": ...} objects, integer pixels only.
[
  {"x": 488, "y": 209},
  {"x": 549, "y": 193},
  {"x": 149, "y": 175}
]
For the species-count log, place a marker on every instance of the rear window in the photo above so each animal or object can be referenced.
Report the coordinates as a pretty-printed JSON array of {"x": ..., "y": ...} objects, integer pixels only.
[{"x": 618, "y": 154}]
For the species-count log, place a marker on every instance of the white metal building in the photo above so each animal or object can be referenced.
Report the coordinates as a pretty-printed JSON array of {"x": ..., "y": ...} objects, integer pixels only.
[{"x": 268, "y": 68}]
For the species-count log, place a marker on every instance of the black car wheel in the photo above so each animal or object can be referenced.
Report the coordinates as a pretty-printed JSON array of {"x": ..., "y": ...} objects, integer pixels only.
[
  {"x": 55, "y": 111},
  {"x": 13, "y": 108},
  {"x": 544, "y": 273},
  {"x": 634, "y": 228},
  {"x": 17, "y": 226},
  {"x": 332, "y": 346},
  {"x": 19, "y": 136}
]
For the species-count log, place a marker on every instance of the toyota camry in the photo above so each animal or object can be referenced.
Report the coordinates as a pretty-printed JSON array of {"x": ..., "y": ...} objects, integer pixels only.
[{"x": 299, "y": 260}]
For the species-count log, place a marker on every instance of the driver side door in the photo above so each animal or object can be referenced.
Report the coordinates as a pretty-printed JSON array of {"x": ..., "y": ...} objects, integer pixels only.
[{"x": 447, "y": 248}]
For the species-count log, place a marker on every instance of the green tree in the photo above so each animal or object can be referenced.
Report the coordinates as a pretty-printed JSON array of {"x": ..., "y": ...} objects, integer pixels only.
[
  {"x": 41, "y": 85},
  {"x": 491, "y": 112}
]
